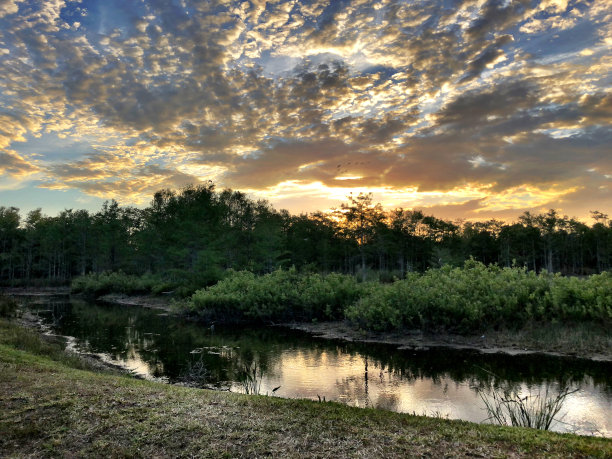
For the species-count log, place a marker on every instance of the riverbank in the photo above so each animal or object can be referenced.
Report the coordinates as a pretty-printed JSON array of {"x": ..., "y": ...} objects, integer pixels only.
[
  {"x": 580, "y": 341},
  {"x": 587, "y": 341},
  {"x": 51, "y": 408}
]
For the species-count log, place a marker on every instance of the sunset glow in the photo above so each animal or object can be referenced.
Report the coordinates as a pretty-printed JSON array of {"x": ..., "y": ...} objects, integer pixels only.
[{"x": 466, "y": 109}]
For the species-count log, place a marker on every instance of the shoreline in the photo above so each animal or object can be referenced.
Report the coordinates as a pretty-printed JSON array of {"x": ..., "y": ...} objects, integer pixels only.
[
  {"x": 512, "y": 343},
  {"x": 52, "y": 406},
  {"x": 491, "y": 342},
  {"x": 418, "y": 340}
]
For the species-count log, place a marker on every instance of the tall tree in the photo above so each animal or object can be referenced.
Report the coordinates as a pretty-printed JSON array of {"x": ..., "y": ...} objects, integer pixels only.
[{"x": 359, "y": 217}]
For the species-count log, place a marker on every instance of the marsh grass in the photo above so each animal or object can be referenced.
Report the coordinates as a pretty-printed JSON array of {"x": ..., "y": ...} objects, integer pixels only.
[
  {"x": 587, "y": 338},
  {"x": 250, "y": 378},
  {"x": 29, "y": 341},
  {"x": 537, "y": 409}
]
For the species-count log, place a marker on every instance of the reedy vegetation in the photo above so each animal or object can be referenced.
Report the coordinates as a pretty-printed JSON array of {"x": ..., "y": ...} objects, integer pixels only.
[{"x": 508, "y": 405}]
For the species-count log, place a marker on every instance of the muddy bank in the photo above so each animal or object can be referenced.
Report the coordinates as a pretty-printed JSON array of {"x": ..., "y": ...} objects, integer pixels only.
[
  {"x": 35, "y": 291},
  {"x": 505, "y": 342},
  {"x": 578, "y": 342},
  {"x": 161, "y": 303}
]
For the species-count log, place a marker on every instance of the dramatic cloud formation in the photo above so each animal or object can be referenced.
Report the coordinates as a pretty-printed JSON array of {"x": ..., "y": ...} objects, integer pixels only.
[{"x": 467, "y": 108}]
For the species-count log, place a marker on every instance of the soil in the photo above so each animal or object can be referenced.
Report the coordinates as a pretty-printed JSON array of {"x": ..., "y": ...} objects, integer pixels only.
[{"x": 488, "y": 343}]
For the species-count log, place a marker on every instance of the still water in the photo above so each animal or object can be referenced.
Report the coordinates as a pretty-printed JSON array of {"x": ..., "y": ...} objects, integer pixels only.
[{"x": 290, "y": 364}]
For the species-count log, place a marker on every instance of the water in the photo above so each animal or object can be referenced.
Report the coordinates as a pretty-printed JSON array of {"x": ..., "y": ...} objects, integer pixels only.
[{"x": 433, "y": 382}]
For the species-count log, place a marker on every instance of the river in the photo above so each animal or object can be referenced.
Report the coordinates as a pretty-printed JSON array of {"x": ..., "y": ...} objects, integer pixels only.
[{"x": 285, "y": 363}]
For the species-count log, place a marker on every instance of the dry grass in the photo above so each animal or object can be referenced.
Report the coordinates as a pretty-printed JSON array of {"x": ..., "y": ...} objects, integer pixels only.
[{"x": 49, "y": 409}]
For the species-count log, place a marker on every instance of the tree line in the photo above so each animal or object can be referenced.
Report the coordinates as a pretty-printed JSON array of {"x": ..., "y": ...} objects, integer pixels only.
[{"x": 193, "y": 236}]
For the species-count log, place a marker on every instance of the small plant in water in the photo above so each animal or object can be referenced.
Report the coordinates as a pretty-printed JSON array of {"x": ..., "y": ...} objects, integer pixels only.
[
  {"x": 251, "y": 378},
  {"x": 507, "y": 405},
  {"x": 195, "y": 374}
]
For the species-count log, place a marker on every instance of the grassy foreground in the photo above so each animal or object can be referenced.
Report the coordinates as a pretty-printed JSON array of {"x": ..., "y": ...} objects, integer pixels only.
[{"x": 50, "y": 408}]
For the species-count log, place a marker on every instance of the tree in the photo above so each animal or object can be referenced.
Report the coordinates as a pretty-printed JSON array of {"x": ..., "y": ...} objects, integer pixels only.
[
  {"x": 9, "y": 241},
  {"x": 359, "y": 219}
]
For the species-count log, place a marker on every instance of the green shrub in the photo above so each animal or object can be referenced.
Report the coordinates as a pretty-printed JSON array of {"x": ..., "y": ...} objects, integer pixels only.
[
  {"x": 477, "y": 297},
  {"x": 279, "y": 295},
  {"x": 114, "y": 282},
  {"x": 180, "y": 282},
  {"x": 574, "y": 299}
]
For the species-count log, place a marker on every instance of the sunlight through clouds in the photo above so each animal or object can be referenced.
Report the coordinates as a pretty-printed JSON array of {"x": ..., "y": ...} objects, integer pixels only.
[{"x": 302, "y": 102}]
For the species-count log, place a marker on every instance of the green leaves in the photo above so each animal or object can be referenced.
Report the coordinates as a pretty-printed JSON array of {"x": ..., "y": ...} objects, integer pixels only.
[
  {"x": 476, "y": 297},
  {"x": 279, "y": 295}
]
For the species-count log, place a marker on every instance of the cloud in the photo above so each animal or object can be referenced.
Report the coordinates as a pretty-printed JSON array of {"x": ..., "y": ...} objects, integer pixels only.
[
  {"x": 9, "y": 7},
  {"x": 391, "y": 95},
  {"x": 11, "y": 163}
]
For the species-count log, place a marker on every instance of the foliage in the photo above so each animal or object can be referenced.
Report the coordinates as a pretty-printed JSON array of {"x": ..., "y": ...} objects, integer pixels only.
[
  {"x": 117, "y": 282},
  {"x": 8, "y": 306},
  {"x": 279, "y": 295},
  {"x": 468, "y": 299},
  {"x": 476, "y": 297},
  {"x": 579, "y": 299},
  {"x": 508, "y": 405},
  {"x": 199, "y": 233}
]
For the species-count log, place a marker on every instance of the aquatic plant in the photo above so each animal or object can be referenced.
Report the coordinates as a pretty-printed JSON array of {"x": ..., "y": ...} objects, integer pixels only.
[
  {"x": 507, "y": 405},
  {"x": 251, "y": 376}
]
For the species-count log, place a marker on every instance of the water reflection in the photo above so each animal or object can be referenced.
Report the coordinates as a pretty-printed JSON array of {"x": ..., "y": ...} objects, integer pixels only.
[{"x": 290, "y": 364}]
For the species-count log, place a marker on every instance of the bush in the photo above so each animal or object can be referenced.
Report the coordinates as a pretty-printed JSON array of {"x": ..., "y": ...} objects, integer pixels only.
[
  {"x": 115, "y": 282},
  {"x": 574, "y": 299},
  {"x": 181, "y": 283},
  {"x": 280, "y": 295},
  {"x": 477, "y": 297},
  {"x": 8, "y": 306}
]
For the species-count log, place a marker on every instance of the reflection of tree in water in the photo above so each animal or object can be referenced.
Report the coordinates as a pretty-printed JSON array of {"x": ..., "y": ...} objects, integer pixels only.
[
  {"x": 165, "y": 344},
  {"x": 388, "y": 401},
  {"x": 352, "y": 390},
  {"x": 466, "y": 366},
  {"x": 357, "y": 389}
]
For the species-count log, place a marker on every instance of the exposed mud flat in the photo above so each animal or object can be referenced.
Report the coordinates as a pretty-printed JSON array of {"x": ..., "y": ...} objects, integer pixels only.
[
  {"x": 488, "y": 343},
  {"x": 144, "y": 301}
]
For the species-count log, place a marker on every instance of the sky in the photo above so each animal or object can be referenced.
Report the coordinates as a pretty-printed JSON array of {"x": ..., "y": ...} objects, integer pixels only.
[{"x": 471, "y": 109}]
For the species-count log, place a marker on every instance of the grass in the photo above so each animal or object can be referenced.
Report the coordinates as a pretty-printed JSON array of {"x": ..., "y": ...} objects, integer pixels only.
[
  {"x": 511, "y": 406},
  {"x": 49, "y": 408},
  {"x": 581, "y": 339}
]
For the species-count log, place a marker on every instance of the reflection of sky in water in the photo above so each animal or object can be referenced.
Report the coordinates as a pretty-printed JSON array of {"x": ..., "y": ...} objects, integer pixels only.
[
  {"x": 159, "y": 347},
  {"x": 343, "y": 378}
]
